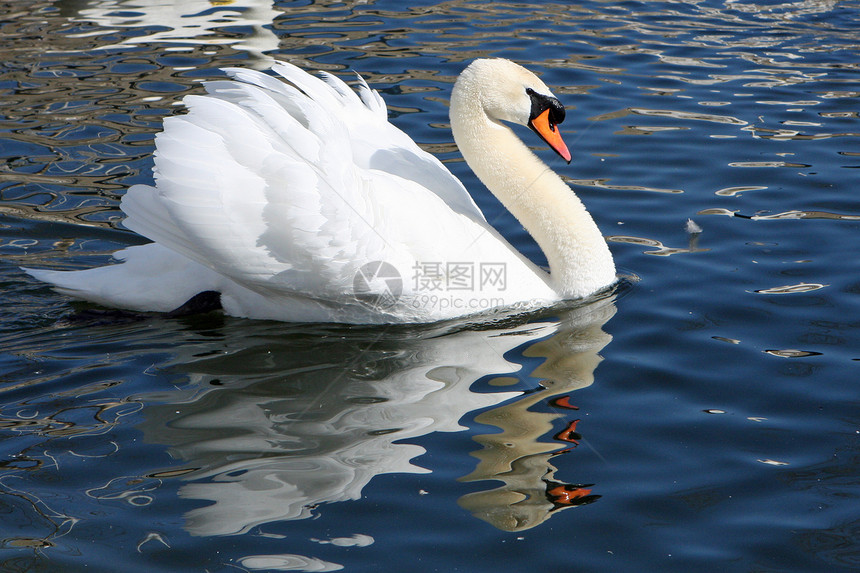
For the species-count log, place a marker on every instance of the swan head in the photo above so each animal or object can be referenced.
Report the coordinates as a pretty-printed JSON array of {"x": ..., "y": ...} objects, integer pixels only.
[{"x": 508, "y": 92}]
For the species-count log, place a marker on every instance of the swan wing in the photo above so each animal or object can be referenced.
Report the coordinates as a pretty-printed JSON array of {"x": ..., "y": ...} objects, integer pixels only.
[{"x": 293, "y": 186}]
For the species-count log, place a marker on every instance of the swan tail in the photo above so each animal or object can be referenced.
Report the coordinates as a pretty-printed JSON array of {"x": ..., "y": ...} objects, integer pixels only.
[{"x": 150, "y": 278}]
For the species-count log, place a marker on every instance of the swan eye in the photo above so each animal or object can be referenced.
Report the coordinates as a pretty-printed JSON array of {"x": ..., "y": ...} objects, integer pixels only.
[{"x": 541, "y": 103}]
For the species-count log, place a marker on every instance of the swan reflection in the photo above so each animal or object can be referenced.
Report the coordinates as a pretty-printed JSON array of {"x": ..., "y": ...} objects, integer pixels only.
[{"x": 281, "y": 419}]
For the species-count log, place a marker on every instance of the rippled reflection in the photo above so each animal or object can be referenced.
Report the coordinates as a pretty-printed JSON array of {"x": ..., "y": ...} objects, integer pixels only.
[
  {"x": 517, "y": 456},
  {"x": 273, "y": 427},
  {"x": 170, "y": 22}
]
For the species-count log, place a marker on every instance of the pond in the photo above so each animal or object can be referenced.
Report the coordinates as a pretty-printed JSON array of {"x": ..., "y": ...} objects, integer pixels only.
[{"x": 702, "y": 416}]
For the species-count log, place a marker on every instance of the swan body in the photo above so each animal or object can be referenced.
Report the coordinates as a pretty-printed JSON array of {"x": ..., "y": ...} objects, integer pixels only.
[{"x": 299, "y": 201}]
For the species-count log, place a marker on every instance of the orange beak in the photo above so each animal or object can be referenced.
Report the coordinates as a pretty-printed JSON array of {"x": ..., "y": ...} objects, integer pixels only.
[{"x": 549, "y": 132}]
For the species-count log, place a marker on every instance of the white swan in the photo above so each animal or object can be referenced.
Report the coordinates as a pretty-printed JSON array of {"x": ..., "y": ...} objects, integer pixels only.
[{"x": 299, "y": 201}]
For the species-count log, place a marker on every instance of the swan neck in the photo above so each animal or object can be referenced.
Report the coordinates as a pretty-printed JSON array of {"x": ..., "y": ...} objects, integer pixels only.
[{"x": 579, "y": 259}]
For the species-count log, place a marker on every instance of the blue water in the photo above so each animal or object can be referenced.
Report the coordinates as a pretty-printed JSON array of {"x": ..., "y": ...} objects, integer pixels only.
[{"x": 702, "y": 417}]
